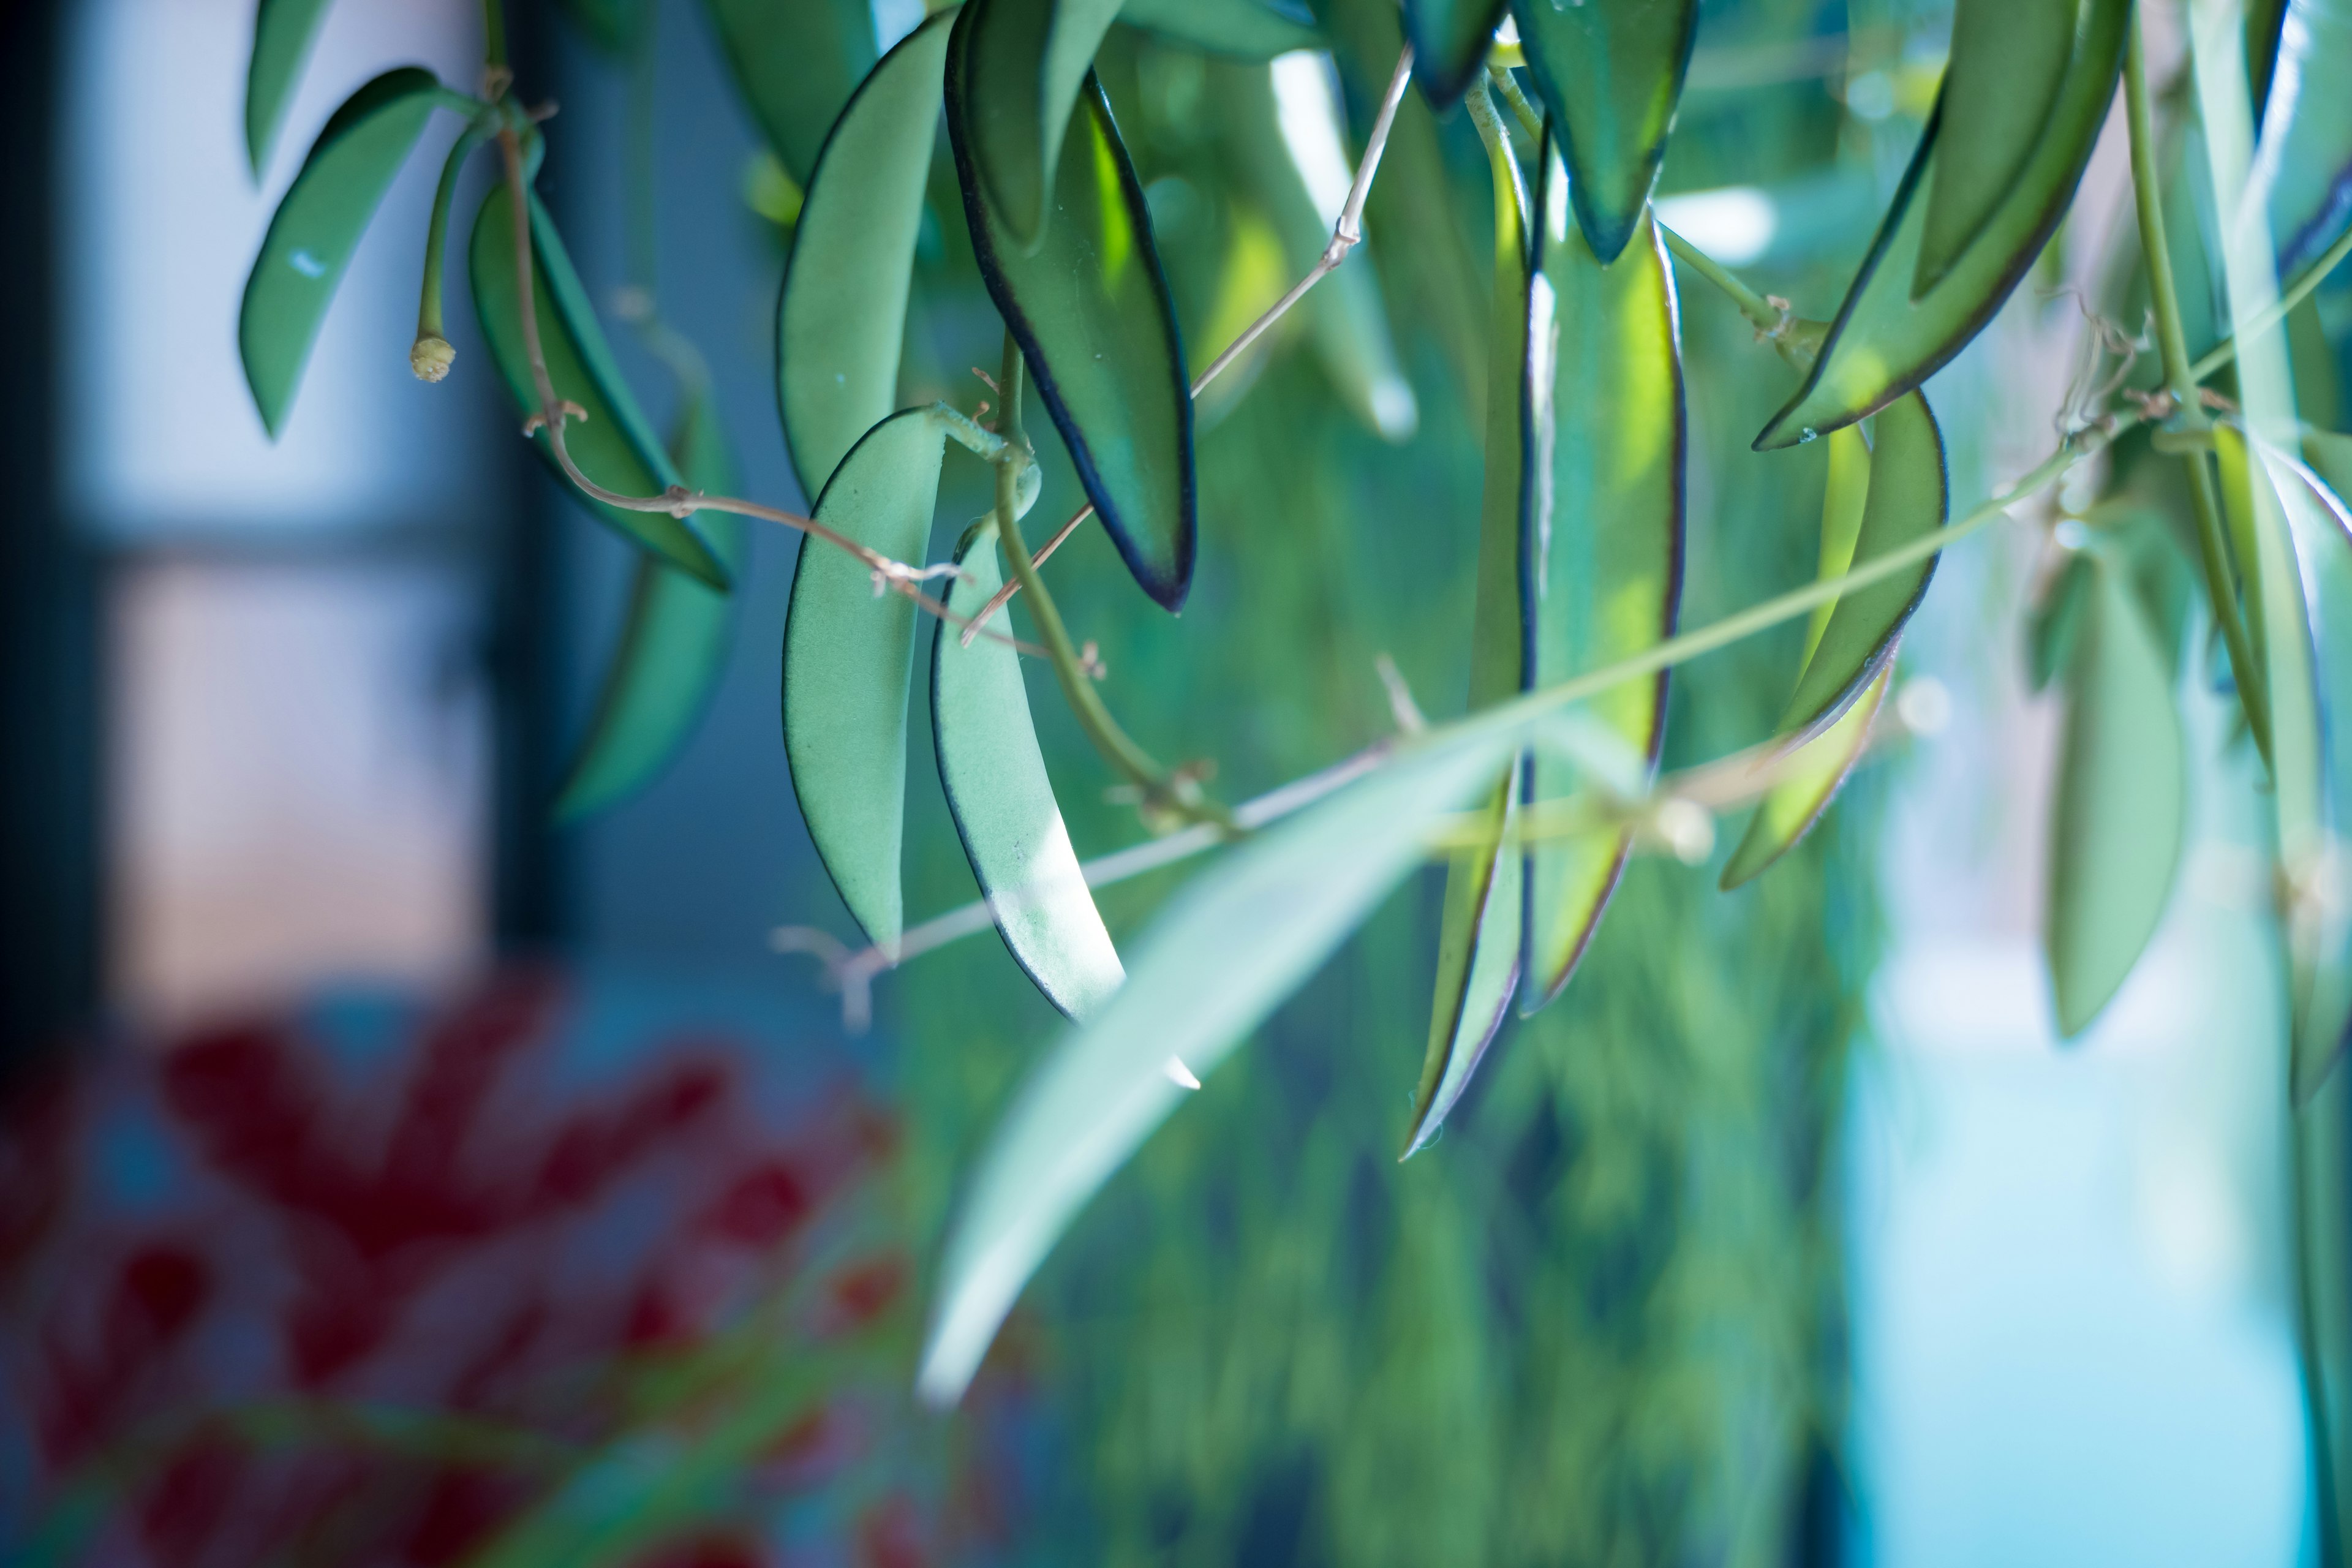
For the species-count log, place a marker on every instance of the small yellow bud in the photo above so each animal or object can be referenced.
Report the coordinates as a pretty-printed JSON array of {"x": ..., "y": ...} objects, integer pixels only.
[{"x": 431, "y": 357}]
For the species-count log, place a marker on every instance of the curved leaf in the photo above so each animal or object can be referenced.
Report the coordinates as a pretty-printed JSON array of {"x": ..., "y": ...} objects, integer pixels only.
[
  {"x": 1450, "y": 39},
  {"x": 1093, "y": 316},
  {"x": 2121, "y": 807},
  {"x": 615, "y": 26},
  {"x": 2008, "y": 63},
  {"x": 796, "y": 62},
  {"x": 672, "y": 649},
  {"x": 283, "y": 33},
  {"x": 1219, "y": 957},
  {"x": 843, "y": 317},
  {"x": 1002, "y": 802},
  {"x": 849, "y": 653},
  {"x": 1023, "y": 66},
  {"x": 317, "y": 227},
  {"x": 1808, "y": 779},
  {"x": 1887, "y": 339},
  {"x": 2050, "y": 635},
  {"x": 1478, "y": 961},
  {"x": 1246, "y": 30},
  {"x": 1603, "y": 535},
  {"x": 613, "y": 446},
  {"x": 1609, "y": 73},
  {"x": 1909, "y": 498},
  {"x": 2302, "y": 164}
]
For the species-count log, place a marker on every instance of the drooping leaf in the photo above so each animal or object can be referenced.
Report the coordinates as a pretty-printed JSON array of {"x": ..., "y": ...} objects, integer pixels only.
[
  {"x": 1479, "y": 951},
  {"x": 849, "y": 654},
  {"x": 615, "y": 26},
  {"x": 1609, "y": 73},
  {"x": 2265, "y": 22},
  {"x": 1602, "y": 532},
  {"x": 1093, "y": 316},
  {"x": 2050, "y": 633},
  {"x": 2121, "y": 805},
  {"x": 1887, "y": 339},
  {"x": 2249, "y": 505},
  {"x": 1020, "y": 69},
  {"x": 1227, "y": 951},
  {"x": 673, "y": 647},
  {"x": 317, "y": 227},
  {"x": 2008, "y": 64},
  {"x": 2302, "y": 164},
  {"x": 843, "y": 318},
  {"x": 1450, "y": 39},
  {"x": 1002, "y": 802},
  {"x": 1909, "y": 498},
  {"x": 796, "y": 61},
  {"x": 613, "y": 445},
  {"x": 283, "y": 32},
  {"x": 1807, "y": 780},
  {"x": 1246, "y": 30}
]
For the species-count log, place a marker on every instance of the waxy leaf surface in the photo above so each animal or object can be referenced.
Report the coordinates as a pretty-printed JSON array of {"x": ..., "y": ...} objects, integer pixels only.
[
  {"x": 1092, "y": 314},
  {"x": 2007, "y": 65},
  {"x": 1450, "y": 39},
  {"x": 1609, "y": 73},
  {"x": 797, "y": 61},
  {"x": 613, "y": 445},
  {"x": 843, "y": 319},
  {"x": 2302, "y": 164},
  {"x": 1246, "y": 30},
  {"x": 317, "y": 227},
  {"x": 1023, "y": 64},
  {"x": 849, "y": 655},
  {"x": 1807, "y": 780},
  {"x": 283, "y": 32},
  {"x": 1002, "y": 802}
]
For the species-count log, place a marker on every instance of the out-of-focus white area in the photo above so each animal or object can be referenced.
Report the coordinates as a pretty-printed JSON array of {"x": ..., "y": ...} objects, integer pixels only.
[
  {"x": 1734, "y": 225},
  {"x": 1306, "y": 103}
]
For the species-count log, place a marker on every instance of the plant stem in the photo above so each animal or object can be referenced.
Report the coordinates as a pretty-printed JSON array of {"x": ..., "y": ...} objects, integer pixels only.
[
  {"x": 2180, "y": 381},
  {"x": 1765, "y": 317},
  {"x": 2308, "y": 1261},
  {"x": 430, "y": 325},
  {"x": 494, "y": 38}
]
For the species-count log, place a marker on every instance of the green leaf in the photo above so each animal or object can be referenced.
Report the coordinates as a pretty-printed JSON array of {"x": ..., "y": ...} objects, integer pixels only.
[
  {"x": 1225, "y": 951},
  {"x": 1450, "y": 39},
  {"x": 848, "y": 656},
  {"x": 1002, "y": 802},
  {"x": 1908, "y": 499},
  {"x": 2249, "y": 505},
  {"x": 1021, "y": 67},
  {"x": 1601, "y": 534},
  {"x": 317, "y": 227},
  {"x": 1479, "y": 950},
  {"x": 2121, "y": 807},
  {"x": 2302, "y": 162},
  {"x": 2050, "y": 633},
  {"x": 796, "y": 61},
  {"x": 614, "y": 447},
  {"x": 1806, "y": 781},
  {"x": 1887, "y": 339},
  {"x": 843, "y": 319},
  {"x": 283, "y": 33},
  {"x": 1246, "y": 30},
  {"x": 615, "y": 26},
  {"x": 1609, "y": 73},
  {"x": 1092, "y": 314},
  {"x": 673, "y": 649},
  {"x": 2007, "y": 65}
]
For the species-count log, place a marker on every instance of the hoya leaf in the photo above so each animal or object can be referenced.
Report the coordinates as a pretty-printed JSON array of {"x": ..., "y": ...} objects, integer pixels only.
[
  {"x": 615, "y": 26},
  {"x": 2121, "y": 805},
  {"x": 1023, "y": 66},
  {"x": 1804, "y": 782},
  {"x": 1450, "y": 39},
  {"x": 1246, "y": 30},
  {"x": 2302, "y": 164},
  {"x": 1093, "y": 316},
  {"x": 283, "y": 33},
  {"x": 1002, "y": 802},
  {"x": 317, "y": 227},
  {"x": 2249, "y": 505},
  {"x": 1909, "y": 498},
  {"x": 843, "y": 319},
  {"x": 2007, "y": 65},
  {"x": 1887, "y": 338},
  {"x": 1609, "y": 73},
  {"x": 1222, "y": 954},
  {"x": 2050, "y": 635},
  {"x": 849, "y": 653},
  {"x": 1477, "y": 960},
  {"x": 796, "y": 62},
  {"x": 673, "y": 647},
  {"x": 1601, "y": 534},
  {"x": 613, "y": 445}
]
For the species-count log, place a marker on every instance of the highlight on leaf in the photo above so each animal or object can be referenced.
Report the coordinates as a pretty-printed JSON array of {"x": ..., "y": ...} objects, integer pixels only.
[
  {"x": 1610, "y": 74},
  {"x": 1024, "y": 67}
]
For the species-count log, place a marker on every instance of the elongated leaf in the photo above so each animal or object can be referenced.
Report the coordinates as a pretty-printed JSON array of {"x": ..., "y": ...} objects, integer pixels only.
[
  {"x": 1602, "y": 532},
  {"x": 1222, "y": 955},
  {"x": 796, "y": 62},
  {"x": 2008, "y": 60},
  {"x": 2050, "y": 635},
  {"x": 1092, "y": 313},
  {"x": 1246, "y": 30},
  {"x": 2302, "y": 164},
  {"x": 2249, "y": 505},
  {"x": 1478, "y": 949},
  {"x": 1808, "y": 781},
  {"x": 1609, "y": 72},
  {"x": 1887, "y": 339},
  {"x": 1002, "y": 803},
  {"x": 317, "y": 227},
  {"x": 613, "y": 445},
  {"x": 283, "y": 32},
  {"x": 1908, "y": 499},
  {"x": 673, "y": 649},
  {"x": 843, "y": 318},
  {"x": 615, "y": 26},
  {"x": 2121, "y": 805},
  {"x": 1450, "y": 39},
  {"x": 1023, "y": 64},
  {"x": 848, "y": 656}
]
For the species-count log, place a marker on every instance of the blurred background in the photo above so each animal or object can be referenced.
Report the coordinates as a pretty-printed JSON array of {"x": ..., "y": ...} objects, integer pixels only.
[{"x": 390, "y": 1174}]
